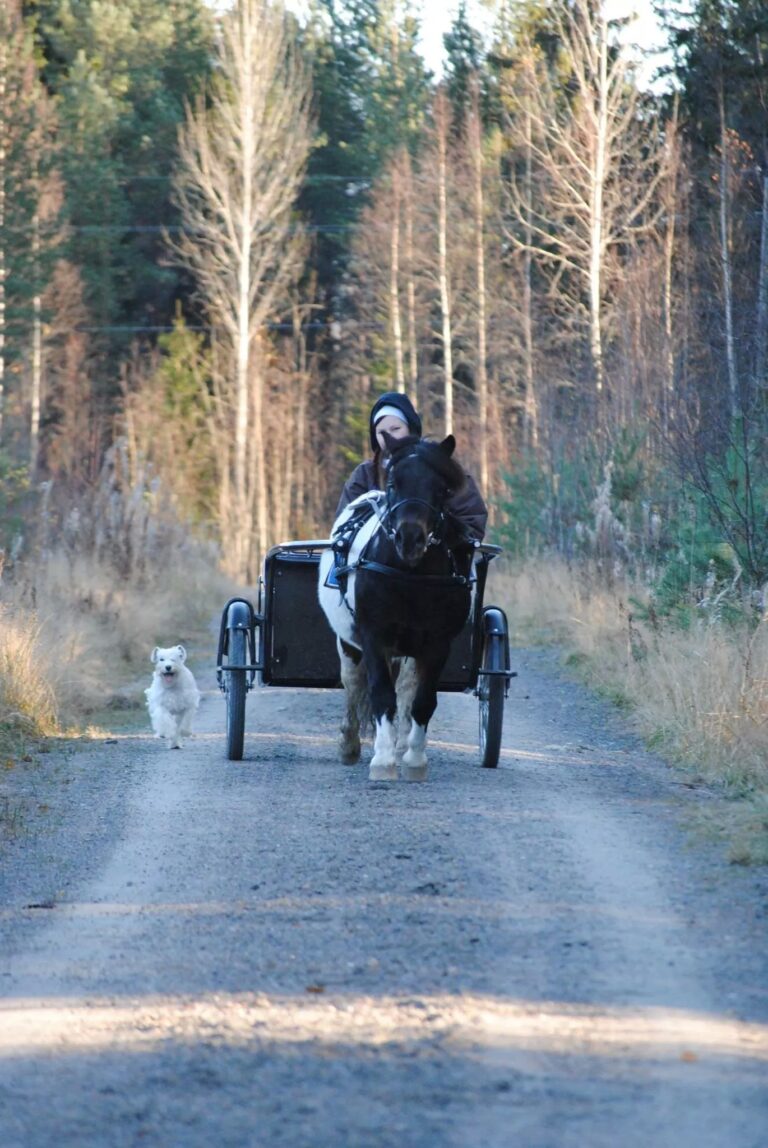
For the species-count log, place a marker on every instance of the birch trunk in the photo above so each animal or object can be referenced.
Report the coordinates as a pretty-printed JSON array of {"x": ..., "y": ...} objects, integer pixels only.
[
  {"x": 597, "y": 191},
  {"x": 37, "y": 382},
  {"x": 531, "y": 402},
  {"x": 242, "y": 420},
  {"x": 257, "y": 446},
  {"x": 300, "y": 358},
  {"x": 444, "y": 285},
  {"x": 3, "y": 178},
  {"x": 476, "y": 147},
  {"x": 725, "y": 259},
  {"x": 762, "y": 295},
  {"x": 669, "y": 250},
  {"x": 670, "y": 237},
  {"x": 394, "y": 283},
  {"x": 413, "y": 353}
]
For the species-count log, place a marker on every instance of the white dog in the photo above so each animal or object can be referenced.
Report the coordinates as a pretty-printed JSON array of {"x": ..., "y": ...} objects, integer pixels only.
[{"x": 173, "y": 697}]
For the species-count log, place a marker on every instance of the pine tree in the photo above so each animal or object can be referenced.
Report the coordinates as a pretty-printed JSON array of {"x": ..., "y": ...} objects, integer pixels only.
[
  {"x": 121, "y": 71},
  {"x": 371, "y": 89},
  {"x": 28, "y": 213},
  {"x": 464, "y": 66}
]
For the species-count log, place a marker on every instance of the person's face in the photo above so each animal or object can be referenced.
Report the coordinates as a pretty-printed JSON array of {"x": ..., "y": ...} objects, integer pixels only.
[{"x": 393, "y": 426}]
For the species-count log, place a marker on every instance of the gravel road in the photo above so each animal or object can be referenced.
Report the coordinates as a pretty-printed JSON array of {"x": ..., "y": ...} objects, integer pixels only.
[{"x": 197, "y": 953}]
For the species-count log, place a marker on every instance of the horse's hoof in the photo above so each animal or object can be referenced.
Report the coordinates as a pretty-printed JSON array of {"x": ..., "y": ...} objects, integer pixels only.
[
  {"x": 349, "y": 750},
  {"x": 415, "y": 758},
  {"x": 382, "y": 772},
  {"x": 414, "y": 772}
]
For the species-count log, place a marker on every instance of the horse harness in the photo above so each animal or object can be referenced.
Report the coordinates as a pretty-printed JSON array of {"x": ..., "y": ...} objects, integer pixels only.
[{"x": 345, "y": 534}]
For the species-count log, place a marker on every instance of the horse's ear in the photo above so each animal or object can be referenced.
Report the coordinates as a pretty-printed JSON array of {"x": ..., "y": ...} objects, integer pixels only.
[{"x": 448, "y": 445}]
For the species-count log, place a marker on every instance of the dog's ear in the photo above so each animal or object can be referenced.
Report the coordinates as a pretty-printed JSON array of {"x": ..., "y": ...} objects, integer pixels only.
[
  {"x": 155, "y": 652},
  {"x": 182, "y": 653}
]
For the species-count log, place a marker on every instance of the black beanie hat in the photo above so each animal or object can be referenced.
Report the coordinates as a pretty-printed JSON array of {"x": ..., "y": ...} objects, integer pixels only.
[{"x": 402, "y": 403}]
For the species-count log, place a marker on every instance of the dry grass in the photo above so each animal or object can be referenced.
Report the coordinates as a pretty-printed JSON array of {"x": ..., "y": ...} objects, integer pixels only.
[
  {"x": 96, "y": 583},
  {"x": 27, "y": 697},
  {"x": 105, "y": 577},
  {"x": 699, "y": 696},
  {"x": 93, "y": 632}
]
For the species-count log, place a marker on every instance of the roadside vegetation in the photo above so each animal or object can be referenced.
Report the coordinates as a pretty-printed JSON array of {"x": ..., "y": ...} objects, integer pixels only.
[
  {"x": 662, "y": 619},
  {"x": 102, "y": 582}
]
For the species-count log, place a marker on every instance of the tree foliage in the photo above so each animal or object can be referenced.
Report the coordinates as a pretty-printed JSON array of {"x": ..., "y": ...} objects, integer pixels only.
[{"x": 120, "y": 72}]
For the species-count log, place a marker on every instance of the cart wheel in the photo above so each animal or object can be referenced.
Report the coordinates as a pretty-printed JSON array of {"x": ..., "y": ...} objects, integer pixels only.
[
  {"x": 491, "y": 694},
  {"x": 235, "y": 681}
]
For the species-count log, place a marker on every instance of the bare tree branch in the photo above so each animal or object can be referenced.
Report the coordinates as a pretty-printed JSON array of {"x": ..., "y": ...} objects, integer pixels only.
[{"x": 241, "y": 161}]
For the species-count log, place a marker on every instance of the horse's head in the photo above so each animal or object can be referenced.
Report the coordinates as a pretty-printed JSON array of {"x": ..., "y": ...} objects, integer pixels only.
[{"x": 421, "y": 477}]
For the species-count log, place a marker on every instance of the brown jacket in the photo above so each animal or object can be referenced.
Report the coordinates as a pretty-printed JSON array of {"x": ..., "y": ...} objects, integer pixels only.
[{"x": 466, "y": 506}]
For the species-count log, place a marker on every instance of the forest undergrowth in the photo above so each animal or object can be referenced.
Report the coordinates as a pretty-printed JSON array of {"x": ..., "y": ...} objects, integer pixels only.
[{"x": 698, "y": 694}]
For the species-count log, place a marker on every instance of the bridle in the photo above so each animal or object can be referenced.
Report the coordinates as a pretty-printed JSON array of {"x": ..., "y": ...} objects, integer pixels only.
[
  {"x": 435, "y": 533},
  {"x": 385, "y": 524}
]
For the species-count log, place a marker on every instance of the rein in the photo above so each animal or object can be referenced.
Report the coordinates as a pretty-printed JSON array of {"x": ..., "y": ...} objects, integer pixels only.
[{"x": 374, "y": 567}]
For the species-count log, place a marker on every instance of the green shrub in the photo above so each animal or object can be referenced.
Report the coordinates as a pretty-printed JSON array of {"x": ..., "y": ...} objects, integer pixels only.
[{"x": 14, "y": 492}]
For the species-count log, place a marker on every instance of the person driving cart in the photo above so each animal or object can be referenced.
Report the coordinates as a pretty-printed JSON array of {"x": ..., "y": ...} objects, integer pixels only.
[{"x": 394, "y": 414}]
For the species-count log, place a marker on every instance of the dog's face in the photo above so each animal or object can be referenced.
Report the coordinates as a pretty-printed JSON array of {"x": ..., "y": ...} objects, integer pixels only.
[{"x": 168, "y": 662}]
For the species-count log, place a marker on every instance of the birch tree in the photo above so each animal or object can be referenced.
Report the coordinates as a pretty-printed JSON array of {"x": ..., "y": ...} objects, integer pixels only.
[
  {"x": 242, "y": 155},
  {"x": 726, "y": 257},
  {"x": 410, "y": 262},
  {"x": 395, "y": 244},
  {"x": 597, "y": 162},
  {"x": 475, "y": 144},
  {"x": 442, "y": 125}
]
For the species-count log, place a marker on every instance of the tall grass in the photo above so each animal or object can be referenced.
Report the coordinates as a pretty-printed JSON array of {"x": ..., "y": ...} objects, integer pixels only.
[
  {"x": 28, "y": 704},
  {"x": 700, "y": 695},
  {"x": 100, "y": 581}
]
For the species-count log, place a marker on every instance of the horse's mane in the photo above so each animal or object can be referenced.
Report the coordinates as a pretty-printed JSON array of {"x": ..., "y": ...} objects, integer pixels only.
[{"x": 451, "y": 471}]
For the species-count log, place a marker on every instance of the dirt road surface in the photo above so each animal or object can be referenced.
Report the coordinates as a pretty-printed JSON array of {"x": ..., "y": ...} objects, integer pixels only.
[{"x": 209, "y": 954}]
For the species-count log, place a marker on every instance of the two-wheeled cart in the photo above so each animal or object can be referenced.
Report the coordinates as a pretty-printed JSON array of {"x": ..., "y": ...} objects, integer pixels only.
[{"x": 286, "y": 641}]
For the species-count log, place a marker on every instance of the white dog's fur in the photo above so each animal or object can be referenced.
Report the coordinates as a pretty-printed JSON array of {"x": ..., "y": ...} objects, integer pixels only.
[{"x": 173, "y": 697}]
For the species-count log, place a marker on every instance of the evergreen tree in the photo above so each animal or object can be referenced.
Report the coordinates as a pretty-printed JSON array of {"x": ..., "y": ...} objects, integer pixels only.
[
  {"x": 721, "y": 63},
  {"x": 723, "y": 43},
  {"x": 371, "y": 89},
  {"x": 464, "y": 65},
  {"x": 28, "y": 213},
  {"x": 121, "y": 71}
]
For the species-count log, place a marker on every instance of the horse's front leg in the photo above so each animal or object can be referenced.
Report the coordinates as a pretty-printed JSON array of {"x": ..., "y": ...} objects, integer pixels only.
[
  {"x": 383, "y": 703},
  {"x": 424, "y": 704}
]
